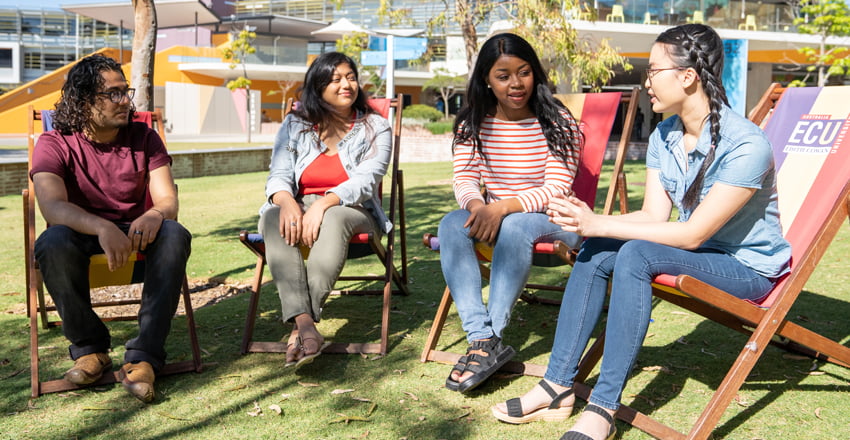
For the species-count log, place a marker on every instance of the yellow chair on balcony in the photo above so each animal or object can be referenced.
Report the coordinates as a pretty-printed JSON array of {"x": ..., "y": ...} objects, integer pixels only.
[
  {"x": 698, "y": 17},
  {"x": 749, "y": 23},
  {"x": 616, "y": 14},
  {"x": 647, "y": 18}
]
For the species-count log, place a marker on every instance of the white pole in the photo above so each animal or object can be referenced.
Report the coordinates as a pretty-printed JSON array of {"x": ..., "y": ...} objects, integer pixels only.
[{"x": 390, "y": 70}]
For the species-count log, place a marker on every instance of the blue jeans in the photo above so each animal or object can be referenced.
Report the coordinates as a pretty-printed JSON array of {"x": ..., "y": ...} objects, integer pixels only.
[
  {"x": 63, "y": 256},
  {"x": 508, "y": 272},
  {"x": 635, "y": 264}
]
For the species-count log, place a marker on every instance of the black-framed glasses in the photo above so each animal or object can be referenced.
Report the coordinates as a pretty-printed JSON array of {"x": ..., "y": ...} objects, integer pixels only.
[
  {"x": 651, "y": 72},
  {"x": 117, "y": 95}
]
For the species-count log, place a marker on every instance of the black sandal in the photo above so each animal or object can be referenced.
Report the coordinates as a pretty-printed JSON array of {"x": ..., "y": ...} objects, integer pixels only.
[
  {"x": 575, "y": 435},
  {"x": 460, "y": 366},
  {"x": 495, "y": 355},
  {"x": 554, "y": 412}
]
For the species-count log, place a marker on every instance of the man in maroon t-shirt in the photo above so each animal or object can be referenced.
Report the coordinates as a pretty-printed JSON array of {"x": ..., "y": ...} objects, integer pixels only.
[{"x": 104, "y": 185}]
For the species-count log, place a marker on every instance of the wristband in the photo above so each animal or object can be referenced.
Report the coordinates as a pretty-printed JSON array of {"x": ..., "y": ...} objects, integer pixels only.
[{"x": 160, "y": 212}]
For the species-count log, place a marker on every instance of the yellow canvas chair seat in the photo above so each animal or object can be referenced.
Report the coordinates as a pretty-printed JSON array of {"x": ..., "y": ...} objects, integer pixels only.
[
  {"x": 749, "y": 23},
  {"x": 647, "y": 18},
  {"x": 698, "y": 17}
]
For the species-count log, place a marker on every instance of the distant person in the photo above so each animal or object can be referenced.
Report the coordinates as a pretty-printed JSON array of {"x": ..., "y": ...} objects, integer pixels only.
[
  {"x": 713, "y": 165},
  {"x": 514, "y": 139},
  {"x": 329, "y": 158},
  {"x": 92, "y": 175}
]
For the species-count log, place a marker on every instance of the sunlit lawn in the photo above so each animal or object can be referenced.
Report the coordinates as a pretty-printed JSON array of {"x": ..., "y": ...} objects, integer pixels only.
[{"x": 396, "y": 396}]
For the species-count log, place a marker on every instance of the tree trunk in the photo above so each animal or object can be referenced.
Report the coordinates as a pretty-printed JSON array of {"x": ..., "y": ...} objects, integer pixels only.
[
  {"x": 144, "y": 50},
  {"x": 467, "y": 28}
]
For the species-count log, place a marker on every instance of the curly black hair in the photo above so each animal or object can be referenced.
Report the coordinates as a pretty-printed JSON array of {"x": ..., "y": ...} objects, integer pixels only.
[{"x": 73, "y": 111}]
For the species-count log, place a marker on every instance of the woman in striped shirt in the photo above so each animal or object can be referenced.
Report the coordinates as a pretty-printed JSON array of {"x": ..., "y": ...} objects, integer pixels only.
[{"x": 514, "y": 138}]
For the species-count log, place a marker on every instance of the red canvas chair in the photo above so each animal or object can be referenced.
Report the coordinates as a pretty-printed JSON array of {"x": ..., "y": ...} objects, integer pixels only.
[
  {"x": 99, "y": 276},
  {"x": 360, "y": 245},
  {"x": 596, "y": 113},
  {"x": 814, "y": 197}
]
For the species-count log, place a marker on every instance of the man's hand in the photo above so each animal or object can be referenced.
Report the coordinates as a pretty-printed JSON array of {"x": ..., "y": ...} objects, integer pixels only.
[
  {"x": 144, "y": 229},
  {"x": 116, "y": 246}
]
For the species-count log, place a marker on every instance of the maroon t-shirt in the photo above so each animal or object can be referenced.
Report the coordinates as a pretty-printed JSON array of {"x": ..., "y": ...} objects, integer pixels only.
[{"x": 107, "y": 180}]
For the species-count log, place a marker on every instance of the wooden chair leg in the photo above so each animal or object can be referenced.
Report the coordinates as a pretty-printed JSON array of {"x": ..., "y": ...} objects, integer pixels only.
[
  {"x": 253, "y": 303},
  {"x": 33, "y": 315},
  {"x": 190, "y": 321},
  {"x": 437, "y": 326}
]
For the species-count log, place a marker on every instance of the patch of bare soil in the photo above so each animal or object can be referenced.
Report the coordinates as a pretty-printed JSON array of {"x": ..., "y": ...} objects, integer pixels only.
[{"x": 203, "y": 293}]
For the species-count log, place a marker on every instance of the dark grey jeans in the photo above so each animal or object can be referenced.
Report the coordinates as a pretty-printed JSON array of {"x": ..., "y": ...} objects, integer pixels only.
[
  {"x": 63, "y": 256},
  {"x": 304, "y": 287}
]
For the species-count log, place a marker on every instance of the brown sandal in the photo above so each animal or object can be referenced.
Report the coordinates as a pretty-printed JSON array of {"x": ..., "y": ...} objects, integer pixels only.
[{"x": 293, "y": 348}]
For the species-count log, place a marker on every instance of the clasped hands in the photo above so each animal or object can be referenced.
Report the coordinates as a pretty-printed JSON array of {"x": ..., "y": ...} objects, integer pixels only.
[
  {"x": 118, "y": 246},
  {"x": 571, "y": 214}
]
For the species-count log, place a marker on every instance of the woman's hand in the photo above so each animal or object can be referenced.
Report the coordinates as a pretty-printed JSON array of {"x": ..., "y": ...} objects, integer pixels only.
[
  {"x": 572, "y": 215},
  {"x": 313, "y": 218},
  {"x": 484, "y": 220},
  {"x": 290, "y": 217}
]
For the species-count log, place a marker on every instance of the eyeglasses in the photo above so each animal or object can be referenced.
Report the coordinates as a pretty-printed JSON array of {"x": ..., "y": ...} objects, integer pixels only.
[
  {"x": 651, "y": 72},
  {"x": 117, "y": 96}
]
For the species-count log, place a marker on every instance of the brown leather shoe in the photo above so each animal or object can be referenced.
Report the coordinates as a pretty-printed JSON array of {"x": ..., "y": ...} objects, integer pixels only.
[
  {"x": 138, "y": 380},
  {"x": 88, "y": 369}
]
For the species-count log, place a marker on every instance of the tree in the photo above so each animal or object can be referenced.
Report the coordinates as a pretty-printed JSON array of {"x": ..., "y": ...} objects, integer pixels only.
[
  {"x": 446, "y": 85},
  {"x": 824, "y": 18},
  {"x": 237, "y": 52},
  {"x": 144, "y": 51},
  {"x": 468, "y": 14},
  {"x": 570, "y": 58}
]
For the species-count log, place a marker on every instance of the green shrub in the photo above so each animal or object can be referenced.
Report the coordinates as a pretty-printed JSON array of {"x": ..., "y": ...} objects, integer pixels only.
[
  {"x": 440, "y": 127},
  {"x": 422, "y": 111}
]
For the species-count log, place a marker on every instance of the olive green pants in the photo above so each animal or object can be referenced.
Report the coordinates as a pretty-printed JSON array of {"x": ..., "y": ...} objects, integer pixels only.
[{"x": 303, "y": 286}]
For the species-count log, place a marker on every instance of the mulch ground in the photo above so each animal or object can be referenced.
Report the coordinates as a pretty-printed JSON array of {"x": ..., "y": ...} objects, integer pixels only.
[{"x": 203, "y": 293}]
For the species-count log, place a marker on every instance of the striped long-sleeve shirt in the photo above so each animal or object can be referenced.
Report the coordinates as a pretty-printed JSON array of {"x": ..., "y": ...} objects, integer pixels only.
[{"x": 519, "y": 164}]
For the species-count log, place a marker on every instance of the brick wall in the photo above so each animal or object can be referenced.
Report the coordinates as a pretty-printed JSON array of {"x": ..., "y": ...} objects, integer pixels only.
[{"x": 13, "y": 175}]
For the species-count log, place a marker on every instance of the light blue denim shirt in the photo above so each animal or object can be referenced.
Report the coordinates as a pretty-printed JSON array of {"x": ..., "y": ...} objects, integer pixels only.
[
  {"x": 743, "y": 158},
  {"x": 364, "y": 153}
]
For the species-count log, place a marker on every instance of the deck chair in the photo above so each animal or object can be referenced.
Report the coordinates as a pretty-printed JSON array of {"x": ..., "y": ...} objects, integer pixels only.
[
  {"x": 360, "y": 245},
  {"x": 698, "y": 17},
  {"x": 760, "y": 114},
  {"x": 814, "y": 197},
  {"x": 616, "y": 14},
  {"x": 749, "y": 23},
  {"x": 99, "y": 276},
  {"x": 647, "y": 18},
  {"x": 596, "y": 113}
]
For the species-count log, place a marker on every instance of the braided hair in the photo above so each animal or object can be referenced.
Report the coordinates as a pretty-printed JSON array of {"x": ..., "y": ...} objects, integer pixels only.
[
  {"x": 698, "y": 46},
  {"x": 73, "y": 111},
  {"x": 559, "y": 130}
]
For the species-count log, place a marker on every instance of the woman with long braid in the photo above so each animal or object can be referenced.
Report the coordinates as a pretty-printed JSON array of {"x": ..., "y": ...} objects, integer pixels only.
[{"x": 716, "y": 168}]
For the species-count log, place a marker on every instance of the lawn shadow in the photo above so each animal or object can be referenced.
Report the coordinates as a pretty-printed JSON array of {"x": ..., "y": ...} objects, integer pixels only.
[{"x": 707, "y": 352}]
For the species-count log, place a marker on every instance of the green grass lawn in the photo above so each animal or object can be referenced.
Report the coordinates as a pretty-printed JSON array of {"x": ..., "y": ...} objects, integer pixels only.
[{"x": 396, "y": 396}]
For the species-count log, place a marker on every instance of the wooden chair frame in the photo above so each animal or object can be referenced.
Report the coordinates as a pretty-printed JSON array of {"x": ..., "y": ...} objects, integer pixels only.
[
  {"x": 764, "y": 325},
  {"x": 384, "y": 253},
  {"x": 36, "y": 304},
  {"x": 616, "y": 188}
]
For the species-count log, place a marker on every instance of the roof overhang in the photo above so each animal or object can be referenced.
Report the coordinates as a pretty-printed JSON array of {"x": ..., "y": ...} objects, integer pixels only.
[
  {"x": 267, "y": 72},
  {"x": 635, "y": 38},
  {"x": 272, "y": 24},
  {"x": 169, "y": 13}
]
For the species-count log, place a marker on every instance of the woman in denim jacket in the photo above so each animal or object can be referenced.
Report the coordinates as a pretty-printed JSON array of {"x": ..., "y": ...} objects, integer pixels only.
[
  {"x": 328, "y": 160},
  {"x": 716, "y": 168}
]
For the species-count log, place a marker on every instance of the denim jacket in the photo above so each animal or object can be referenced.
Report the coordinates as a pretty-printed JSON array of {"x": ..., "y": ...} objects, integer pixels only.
[
  {"x": 364, "y": 153},
  {"x": 743, "y": 158}
]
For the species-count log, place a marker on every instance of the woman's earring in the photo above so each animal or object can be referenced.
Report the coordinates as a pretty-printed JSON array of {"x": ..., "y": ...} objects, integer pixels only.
[{"x": 488, "y": 86}]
